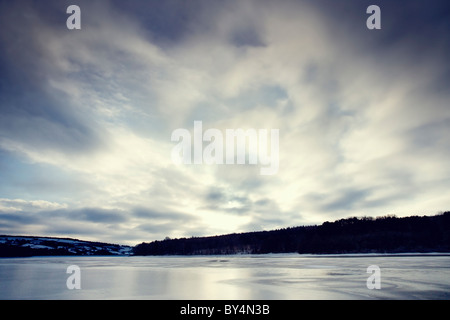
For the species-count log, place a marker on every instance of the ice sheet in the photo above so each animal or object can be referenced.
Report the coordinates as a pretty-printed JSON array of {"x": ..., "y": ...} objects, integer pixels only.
[{"x": 277, "y": 276}]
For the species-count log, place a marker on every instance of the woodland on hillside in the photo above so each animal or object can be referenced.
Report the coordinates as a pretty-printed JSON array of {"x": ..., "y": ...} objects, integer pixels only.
[{"x": 387, "y": 234}]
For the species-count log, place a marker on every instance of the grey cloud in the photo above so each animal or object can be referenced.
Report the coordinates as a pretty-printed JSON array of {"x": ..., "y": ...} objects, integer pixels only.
[
  {"x": 270, "y": 220},
  {"x": 19, "y": 218},
  {"x": 44, "y": 133},
  {"x": 246, "y": 34},
  {"x": 155, "y": 224},
  {"x": 151, "y": 214},
  {"x": 93, "y": 223},
  {"x": 263, "y": 202},
  {"x": 98, "y": 215},
  {"x": 431, "y": 135},
  {"x": 98, "y": 223},
  {"x": 67, "y": 228},
  {"x": 215, "y": 195},
  {"x": 159, "y": 228},
  {"x": 92, "y": 215},
  {"x": 33, "y": 114},
  {"x": 225, "y": 201},
  {"x": 346, "y": 200}
]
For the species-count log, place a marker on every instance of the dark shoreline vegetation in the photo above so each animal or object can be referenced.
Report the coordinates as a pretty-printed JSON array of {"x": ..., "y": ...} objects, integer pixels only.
[
  {"x": 387, "y": 234},
  {"x": 28, "y": 246}
]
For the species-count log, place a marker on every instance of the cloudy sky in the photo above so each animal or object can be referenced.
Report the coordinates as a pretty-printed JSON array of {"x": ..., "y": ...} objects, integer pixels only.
[{"x": 86, "y": 116}]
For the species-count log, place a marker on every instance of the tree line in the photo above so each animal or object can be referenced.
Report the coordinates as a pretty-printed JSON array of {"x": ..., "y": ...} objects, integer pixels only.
[{"x": 387, "y": 234}]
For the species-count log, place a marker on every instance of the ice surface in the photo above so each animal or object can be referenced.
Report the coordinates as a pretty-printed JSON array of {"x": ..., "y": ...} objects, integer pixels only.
[{"x": 277, "y": 276}]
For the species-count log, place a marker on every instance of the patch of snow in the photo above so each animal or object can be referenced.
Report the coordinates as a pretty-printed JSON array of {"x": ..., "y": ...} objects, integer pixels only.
[{"x": 36, "y": 246}]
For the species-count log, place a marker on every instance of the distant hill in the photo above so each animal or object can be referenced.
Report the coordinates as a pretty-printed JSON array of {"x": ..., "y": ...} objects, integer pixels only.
[
  {"x": 388, "y": 234},
  {"x": 25, "y": 246}
]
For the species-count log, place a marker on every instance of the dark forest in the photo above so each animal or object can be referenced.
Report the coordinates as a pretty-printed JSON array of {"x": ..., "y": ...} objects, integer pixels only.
[{"x": 387, "y": 234}]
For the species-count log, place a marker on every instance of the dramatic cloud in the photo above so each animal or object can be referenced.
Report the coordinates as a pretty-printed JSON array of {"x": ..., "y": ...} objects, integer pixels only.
[{"x": 86, "y": 115}]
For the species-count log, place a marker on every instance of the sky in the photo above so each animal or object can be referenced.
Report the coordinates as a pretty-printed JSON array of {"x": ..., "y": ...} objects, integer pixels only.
[{"x": 86, "y": 116}]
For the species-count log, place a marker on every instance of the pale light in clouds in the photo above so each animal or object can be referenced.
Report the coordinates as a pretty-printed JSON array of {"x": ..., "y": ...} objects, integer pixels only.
[{"x": 86, "y": 115}]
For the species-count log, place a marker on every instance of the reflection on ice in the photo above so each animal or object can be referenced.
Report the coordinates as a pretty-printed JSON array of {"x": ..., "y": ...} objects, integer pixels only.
[{"x": 283, "y": 276}]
